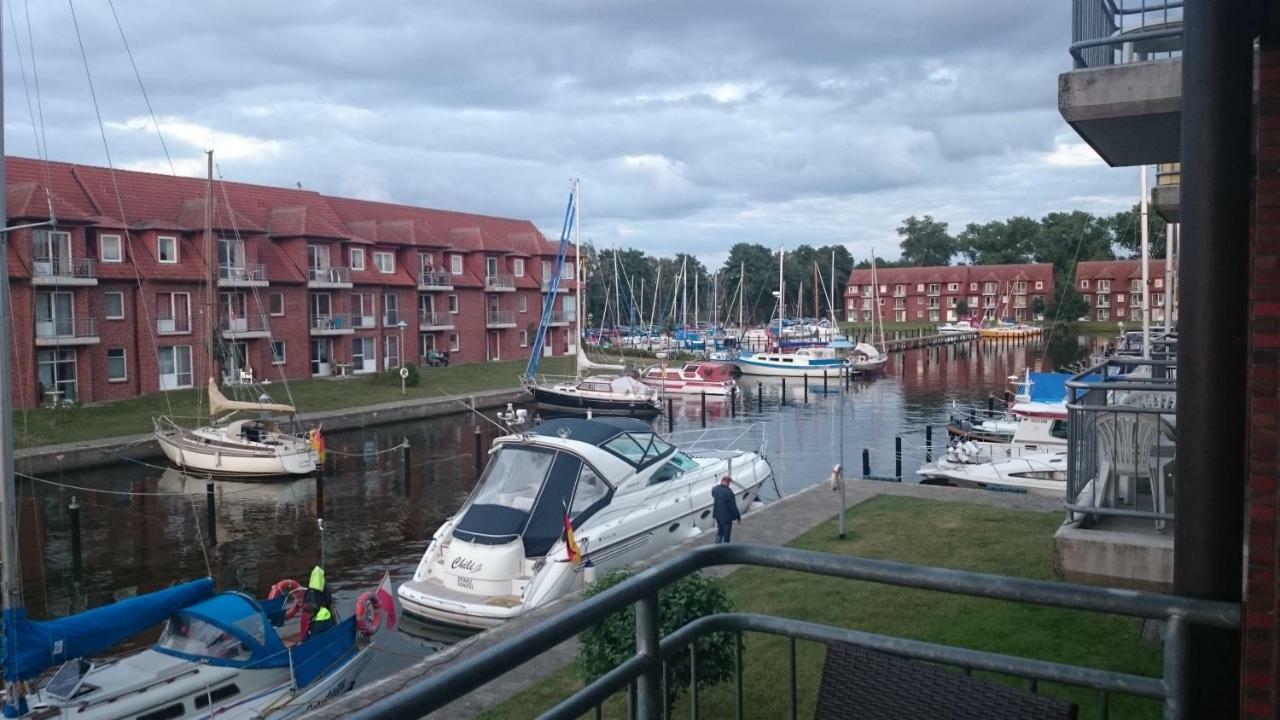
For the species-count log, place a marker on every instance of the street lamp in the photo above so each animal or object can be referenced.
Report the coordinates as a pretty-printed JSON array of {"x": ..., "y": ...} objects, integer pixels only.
[{"x": 404, "y": 371}]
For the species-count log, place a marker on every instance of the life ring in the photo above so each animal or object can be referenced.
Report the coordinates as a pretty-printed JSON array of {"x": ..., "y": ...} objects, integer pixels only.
[
  {"x": 368, "y": 613},
  {"x": 294, "y": 596}
]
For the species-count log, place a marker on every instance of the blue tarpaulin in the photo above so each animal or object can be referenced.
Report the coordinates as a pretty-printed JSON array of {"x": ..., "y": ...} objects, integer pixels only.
[{"x": 31, "y": 647}]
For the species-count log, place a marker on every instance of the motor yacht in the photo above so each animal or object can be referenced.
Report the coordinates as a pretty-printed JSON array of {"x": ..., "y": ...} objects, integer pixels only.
[
  {"x": 626, "y": 492},
  {"x": 813, "y": 362},
  {"x": 1038, "y": 474},
  {"x": 711, "y": 378}
]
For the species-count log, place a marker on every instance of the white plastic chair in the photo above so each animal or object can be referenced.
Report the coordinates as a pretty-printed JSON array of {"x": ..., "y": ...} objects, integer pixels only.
[{"x": 1126, "y": 442}]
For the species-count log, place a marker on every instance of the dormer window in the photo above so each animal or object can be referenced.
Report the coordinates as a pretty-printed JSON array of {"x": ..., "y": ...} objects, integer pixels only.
[
  {"x": 455, "y": 264},
  {"x": 167, "y": 249},
  {"x": 110, "y": 250}
]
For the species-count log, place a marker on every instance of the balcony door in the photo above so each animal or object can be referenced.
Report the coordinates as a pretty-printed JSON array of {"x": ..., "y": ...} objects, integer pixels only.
[
  {"x": 321, "y": 357},
  {"x": 56, "y": 370},
  {"x": 173, "y": 312},
  {"x": 52, "y": 253},
  {"x": 55, "y": 314},
  {"x": 235, "y": 363},
  {"x": 230, "y": 257},
  {"x": 364, "y": 358},
  {"x": 318, "y": 256},
  {"x": 234, "y": 312}
]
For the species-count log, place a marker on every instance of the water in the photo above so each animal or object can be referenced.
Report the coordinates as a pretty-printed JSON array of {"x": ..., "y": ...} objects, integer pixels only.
[{"x": 149, "y": 530}]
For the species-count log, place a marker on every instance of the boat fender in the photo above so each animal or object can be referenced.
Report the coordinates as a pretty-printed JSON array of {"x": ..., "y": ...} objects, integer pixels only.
[
  {"x": 294, "y": 596},
  {"x": 368, "y": 613}
]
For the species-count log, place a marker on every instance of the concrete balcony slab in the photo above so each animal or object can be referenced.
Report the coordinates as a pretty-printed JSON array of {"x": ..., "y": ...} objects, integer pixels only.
[{"x": 1129, "y": 114}]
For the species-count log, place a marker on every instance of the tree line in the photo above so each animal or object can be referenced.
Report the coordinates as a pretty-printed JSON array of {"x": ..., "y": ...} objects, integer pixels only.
[{"x": 631, "y": 287}]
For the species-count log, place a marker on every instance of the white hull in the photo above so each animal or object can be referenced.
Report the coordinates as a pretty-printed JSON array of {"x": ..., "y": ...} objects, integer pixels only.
[
  {"x": 187, "y": 450},
  {"x": 680, "y": 387},
  {"x": 797, "y": 371},
  {"x": 1040, "y": 474}
]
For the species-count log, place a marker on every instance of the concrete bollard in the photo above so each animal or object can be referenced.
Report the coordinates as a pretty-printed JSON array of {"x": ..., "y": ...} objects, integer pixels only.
[{"x": 210, "y": 513}]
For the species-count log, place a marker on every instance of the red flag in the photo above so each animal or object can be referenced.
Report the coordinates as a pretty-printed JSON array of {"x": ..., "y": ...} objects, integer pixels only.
[
  {"x": 386, "y": 600},
  {"x": 570, "y": 543}
]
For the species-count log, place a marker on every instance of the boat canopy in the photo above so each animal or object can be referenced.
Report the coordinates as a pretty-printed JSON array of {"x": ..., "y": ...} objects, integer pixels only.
[
  {"x": 32, "y": 647},
  {"x": 219, "y": 404},
  {"x": 597, "y": 431}
]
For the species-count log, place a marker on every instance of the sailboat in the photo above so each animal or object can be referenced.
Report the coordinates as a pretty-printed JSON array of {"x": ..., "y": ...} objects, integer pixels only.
[
  {"x": 615, "y": 393},
  {"x": 221, "y": 655},
  {"x": 867, "y": 359},
  {"x": 249, "y": 447},
  {"x": 805, "y": 362}
]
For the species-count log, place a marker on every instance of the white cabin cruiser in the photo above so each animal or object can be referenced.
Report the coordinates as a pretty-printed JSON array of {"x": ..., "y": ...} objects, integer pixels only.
[
  {"x": 813, "y": 362},
  {"x": 1038, "y": 474},
  {"x": 627, "y": 494}
]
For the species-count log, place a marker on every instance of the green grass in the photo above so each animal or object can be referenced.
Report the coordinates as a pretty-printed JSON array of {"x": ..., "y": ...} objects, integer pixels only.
[
  {"x": 953, "y": 535},
  {"x": 43, "y": 426}
]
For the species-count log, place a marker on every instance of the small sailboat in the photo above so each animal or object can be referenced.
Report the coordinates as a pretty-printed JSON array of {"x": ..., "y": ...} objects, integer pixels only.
[{"x": 867, "y": 359}]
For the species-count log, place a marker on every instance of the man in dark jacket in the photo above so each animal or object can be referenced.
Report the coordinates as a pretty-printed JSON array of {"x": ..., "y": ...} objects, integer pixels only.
[{"x": 725, "y": 509}]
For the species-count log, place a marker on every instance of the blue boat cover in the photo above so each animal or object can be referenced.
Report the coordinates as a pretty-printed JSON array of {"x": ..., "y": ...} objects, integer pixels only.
[
  {"x": 322, "y": 653},
  {"x": 31, "y": 647},
  {"x": 241, "y": 617},
  {"x": 1049, "y": 387}
]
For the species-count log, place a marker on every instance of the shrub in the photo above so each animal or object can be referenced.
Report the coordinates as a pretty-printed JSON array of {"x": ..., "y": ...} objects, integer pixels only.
[
  {"x": 607, "y": 645},
  {"x": 391, "y": 376}
]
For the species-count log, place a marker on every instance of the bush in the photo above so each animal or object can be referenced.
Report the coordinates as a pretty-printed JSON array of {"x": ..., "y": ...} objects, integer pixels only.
[
  {"x": 391, "y": 376},
  {"x": 607, "y": 645}
]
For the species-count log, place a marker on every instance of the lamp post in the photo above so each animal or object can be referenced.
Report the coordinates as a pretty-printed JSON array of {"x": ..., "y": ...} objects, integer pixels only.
[{"x": 404, "y": 371}]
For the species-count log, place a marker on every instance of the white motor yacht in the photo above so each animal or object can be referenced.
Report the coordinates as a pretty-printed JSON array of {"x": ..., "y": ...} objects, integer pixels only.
[
  {"x": 813, "y": 362},
  {"x": 627, "y": 493},
  {"x": 1038, "y": 474}
]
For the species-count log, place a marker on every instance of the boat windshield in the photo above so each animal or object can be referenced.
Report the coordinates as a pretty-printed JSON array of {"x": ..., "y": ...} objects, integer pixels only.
[
  {"x": 192, "y": 636},
  {"x": 513, "y": 478},
  {"x": 639, "y": 449}
]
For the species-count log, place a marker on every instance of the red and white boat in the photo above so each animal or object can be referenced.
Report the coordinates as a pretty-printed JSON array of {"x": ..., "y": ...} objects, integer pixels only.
[{"x": 692, "y": 379}]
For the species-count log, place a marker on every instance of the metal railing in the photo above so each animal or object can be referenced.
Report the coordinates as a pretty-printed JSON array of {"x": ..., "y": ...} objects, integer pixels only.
[
  {"x": 242, "y": 324},
  {"x": 561, "y": 317},
  {"x": 334, "y": 322},
  {"x": 500, "y": 317},
  {"x": 361, "y": 321},
  {"x": 329, "y": 275},
  {"x": 63, "y": 267},
  {"x": 70, "y": 327},
  {"x": 243, "y": 273},
  {"x": 564, "y": 284},
  {"x": 175, "y": 325},
  {"x": 390, "y": 318},
  {"x": 433, "y": 278},
  {"x": 499, "y": 282},
  {"x": 641, "y": 675},
  {"x": 1137, "y": 30},
  {"x": 1122, "y": 430},
  {"x": 435, "y": 319}
]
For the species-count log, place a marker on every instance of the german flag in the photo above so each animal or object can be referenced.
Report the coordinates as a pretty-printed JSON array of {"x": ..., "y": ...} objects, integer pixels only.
[{"x": 570, "y": 543}]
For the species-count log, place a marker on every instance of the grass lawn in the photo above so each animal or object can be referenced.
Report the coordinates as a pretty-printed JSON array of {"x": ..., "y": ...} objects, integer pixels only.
[
  {"x": 43, "y": 426},
  {"x": 953, "y": 535}
]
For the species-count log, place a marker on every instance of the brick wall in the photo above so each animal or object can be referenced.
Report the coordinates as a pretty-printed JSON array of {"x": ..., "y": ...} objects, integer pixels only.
[{"x": 1261, "y": 671}]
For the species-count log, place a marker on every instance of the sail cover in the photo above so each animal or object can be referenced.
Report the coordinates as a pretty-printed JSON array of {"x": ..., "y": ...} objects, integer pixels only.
[
  {"x": 219, "y": 404},
  {"x": 32, "y": 647},
  {"x": 584, "y": 363}
]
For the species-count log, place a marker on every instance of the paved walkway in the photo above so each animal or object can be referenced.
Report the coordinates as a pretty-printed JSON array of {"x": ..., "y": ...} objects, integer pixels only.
[{"x": 777, "y": 523}]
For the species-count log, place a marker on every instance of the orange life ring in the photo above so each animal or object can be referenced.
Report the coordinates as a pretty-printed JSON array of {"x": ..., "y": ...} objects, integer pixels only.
[
  {"x": 294, "y": 593},
  {"x": 368, "y": 613}
]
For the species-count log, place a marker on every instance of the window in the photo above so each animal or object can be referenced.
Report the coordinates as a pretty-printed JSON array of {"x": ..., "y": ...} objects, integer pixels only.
[
  {"x": 364, "y": 355},
  {"x": 455, "y": 264},
  {"x": 109, "y": 249},
  {"x": 523, "y": 303},
  {"x": 491, "y": 266},
  {"x": 919, "y": 287},
  {"x": 357, "y": 258},
  {"x": 113, "y": 304},
  {"x": 1084, "y": 283},
  {"x": 275, "y": 303},
  {"x": 216, "y": 694},
  {"x": 167, "y": 249},
  {"x": 1120, "y": 298},
  {"x": 517, "y": 267},
  {"x": 392, "y": 354},
  {"x": 453, "y": 304},
  {"x": 56, "y": 371},
  {"x": 524, "y": 338},
  {"x": 278, "y": 355},
  {"x": 175, "y": 367},
  {"x": 1039, "y": 284},
  {"x": 165, "y": 713},
  {"x": 454, "y": 345},
  {"x": 385, "y": 262},
  {"x": 173, "y": 313},
  {"x": 117, "y": 367},
  {"x": 953, "y": 287},
  {"x": 390, "y": 309},
  {"x": 591, "y": 489}
]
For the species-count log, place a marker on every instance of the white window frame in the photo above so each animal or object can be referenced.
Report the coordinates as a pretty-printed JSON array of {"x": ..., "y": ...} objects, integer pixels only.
[
  {"x": 106, "y": 312},
  {"x": 524, "y": 338},
  {"x": 517, "y": 267},
  {"x": 455, "y": 342},
  {"x": 102, "y": 249},
  {"x": 190, "y": 365},
  {"x": 523, "y": 302},
  {"x": 284, "y": 352},
  {"x": 454, "y": 305},
  {"x": 953, "y": 287},
  {"x": 270, "y": 302},
  {"x": 387, "y": 355},
  {"x": 357, "y": 258},
  {"x": 455, "y": 264},
  {"x": 177, "y": 253},
  {"x": 381, "y": 255},
  {"x": 1039, "y": 284},
  {"x": 124, "y": 358}
]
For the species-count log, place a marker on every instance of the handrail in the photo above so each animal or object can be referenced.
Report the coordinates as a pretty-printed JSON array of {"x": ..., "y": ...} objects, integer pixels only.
[
  {"x": 437, "y": 690},
  {"x": 1098, "y": 27}
]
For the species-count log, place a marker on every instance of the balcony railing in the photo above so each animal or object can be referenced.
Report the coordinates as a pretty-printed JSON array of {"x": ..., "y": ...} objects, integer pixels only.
[
  {"x": 242, "y": 324},
  {"x": 899, "y": 292},
  {"x": 173, "y": 325},
  {"x": 390, "y": 318},
  {"x": 333, "y": 322},
  {"x": 561, "y": 317},
  {"x": 435, "y": 319},
  {"x": 242, "y": 273},
  {"x": 546, "y": 284},
  {"x": 77, "y": 269},
  {"x": 499, "y": 282},
  {"x": 67, "y": 328},
  {"x": 1117, "y": 32},
  {"x": 434, "y": 278},
  {"x": 360, "y": 321},
  {"x": 329, "y": 275},
  {"x": 500, "y": 317},
  {"x": 1121, "y": 434}
]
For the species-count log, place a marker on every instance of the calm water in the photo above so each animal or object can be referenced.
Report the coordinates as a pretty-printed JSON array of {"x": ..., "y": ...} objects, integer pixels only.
[{"x": 149, "y": 530}]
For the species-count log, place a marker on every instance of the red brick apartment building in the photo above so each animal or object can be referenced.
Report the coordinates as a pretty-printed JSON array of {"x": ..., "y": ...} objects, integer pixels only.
[
  {"x": 1113, "y": 289},
  {"x": 109, "y": 303},
  {"x": 911, "y": 294}
]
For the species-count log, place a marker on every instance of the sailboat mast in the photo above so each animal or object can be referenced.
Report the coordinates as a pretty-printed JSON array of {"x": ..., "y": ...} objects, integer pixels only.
[
  {"x": 742, "y": 268},
  {"x": 577, "y": 272},
  {"x": 1146, "y": 270},
  {"x": 617, "y": 290},
  {"x": 817, "y": 309},
  {"x": 697, "y": 278},
  {"x": 782, "y": 292},
  {"x": 211, "y": 261},
  {"x": 684, "y": 293},
  {"x": 653, "y": 310},
  {"x": 715, "y": 307},
  {"x": 11, "y": 592}
]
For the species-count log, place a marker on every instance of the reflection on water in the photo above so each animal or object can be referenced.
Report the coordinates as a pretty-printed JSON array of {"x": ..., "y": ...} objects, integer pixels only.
[{"x": 148, "y": 529}]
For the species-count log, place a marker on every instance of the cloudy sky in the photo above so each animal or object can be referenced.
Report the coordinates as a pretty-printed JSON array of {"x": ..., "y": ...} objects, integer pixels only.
[{"x": 693, "y": 125}]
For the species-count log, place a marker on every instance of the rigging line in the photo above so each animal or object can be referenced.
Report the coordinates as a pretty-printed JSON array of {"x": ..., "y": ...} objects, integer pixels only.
[
  {"x": 1071, "y": 284},
  {"x": 43, "y": 142},
  {"x": 102, "y": 131},
  {"x": 195, "y": 517},
  {"x": 141, "y": 87}
]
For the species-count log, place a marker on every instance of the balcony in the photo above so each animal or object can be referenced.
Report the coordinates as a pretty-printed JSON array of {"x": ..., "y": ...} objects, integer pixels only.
[
  {"x": 495, "y": 319},
  {"x": 390, "y": 319},
  {"x": 242, "y": 276},
  {"x": 1166, "y": 196},
  {"x": 328, "y": 277},
  {"x": 247, "y": 327},
  {"x": 562, "y": 287},
  {"x": 323, "y": 325},
  {"x": 434, "y": 281},
  {"x": 560, "y": 318},
  {"x": 431, "y": 321},
  {"x": 899, "y": 292},
  {"x": 499, "y": 283},
  {"x": 360, "y": 321},
  {"x": 180, "y": 325},
  {"x": 1124, "y": 97},
  {"x": 60, "y": 332},
  {"x": 63, "y": 271}
]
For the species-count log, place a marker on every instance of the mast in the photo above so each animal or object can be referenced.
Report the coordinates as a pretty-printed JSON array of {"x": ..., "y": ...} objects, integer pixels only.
[
  {"x": 697, "y": 279},
  {"x": 715, "y": 306},
  {"x": 782, "y": 292},
  {"x": 10, "y": 592},
  {"x": 1146, "y": 262},
  {"x": 817, "y": 309},
  {"x": 653, "y": 310},
  {"x": 617, "y": 290},
  {"x": 210, "y": 277},
  {"x": 577, "y": 275},
  {"x": 742, "y": 268},
  {"x": 1170, "y": 234},
  {"x": 684, "y": 294},
  {"x": 879, "y": 317},
  {"x": 831, "y": 296}
]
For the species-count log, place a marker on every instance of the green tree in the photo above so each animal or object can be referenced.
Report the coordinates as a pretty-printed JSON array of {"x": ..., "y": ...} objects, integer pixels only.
[
  {"x": 962, "y": 308},
  {"x": 1037, "y": 305},
  {"x": 757, "y": 266},
  {"x": 925, "y": 241},
  {"x": 999, "y": 241},
  {"x": 1126, "y": 228},
  {"x": 613, "y": 642}
]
